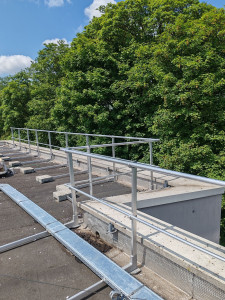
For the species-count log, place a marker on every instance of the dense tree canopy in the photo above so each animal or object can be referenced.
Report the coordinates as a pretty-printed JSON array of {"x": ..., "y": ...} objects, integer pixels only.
[
  {"x": 46, "y": 73},
  {"x": 14, "y": 96},
  {"x": 152, "y": 68}
]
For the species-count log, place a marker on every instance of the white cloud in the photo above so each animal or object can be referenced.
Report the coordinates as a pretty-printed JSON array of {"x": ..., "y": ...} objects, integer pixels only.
[
  {"x": 91, "y": 11},
  {"x": 55, "y": 41},
  {"x": 79, "y": 29},
  {"x": 56, "y": 3},
  {"x": 10, "y": 65}
]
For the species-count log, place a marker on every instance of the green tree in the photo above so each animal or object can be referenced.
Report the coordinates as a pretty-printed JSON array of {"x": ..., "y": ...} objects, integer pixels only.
[
  {"x": 46, "y": 73},
  {"x": 191, "y": 119},
  {"x": 131, "y": 70},
  {"x": 13, "y": 99}
]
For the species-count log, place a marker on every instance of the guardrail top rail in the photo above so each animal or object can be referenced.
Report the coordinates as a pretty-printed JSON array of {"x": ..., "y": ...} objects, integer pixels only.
[
  {"x": 146, "y": 167},
  {"x": 89, "y": 134},
  {"x": 133, "y": 216}
]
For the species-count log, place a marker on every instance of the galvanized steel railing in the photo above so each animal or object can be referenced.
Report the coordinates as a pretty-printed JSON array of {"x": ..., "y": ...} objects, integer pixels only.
[
  {"x": 133, "y": 216},
  {"x": 133, "y": 165},
  {"x": 87, "y": 147}
]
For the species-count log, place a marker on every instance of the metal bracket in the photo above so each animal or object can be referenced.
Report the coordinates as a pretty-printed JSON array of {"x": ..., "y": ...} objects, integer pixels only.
[
  {"x": 111, "y": 228},
  {"x": 115, "y": 295}
]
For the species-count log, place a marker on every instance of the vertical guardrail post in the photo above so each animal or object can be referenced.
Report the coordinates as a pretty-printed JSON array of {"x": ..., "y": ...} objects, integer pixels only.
[
  {"x": 12, "y": 132},
  {"x": 73, "y": 192},
  {"x": 37, "y": 143},
  {"x": 67, "y": 144},
  {"x": 50, "y": 142},
  {"x": 89, "y": 165},
  {"x": 28, "y": 140},
  {"x": 134, "y": 222},
  {"x": 151, "y": 185},
  {"x": 114, "y": 155},
  {"x": 19, "y": 138},
  {"x": 66, "y": 137}
]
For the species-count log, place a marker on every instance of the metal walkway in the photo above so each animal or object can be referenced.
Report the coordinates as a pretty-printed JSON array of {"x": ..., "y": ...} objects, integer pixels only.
[{"x": 117, "y": 278}]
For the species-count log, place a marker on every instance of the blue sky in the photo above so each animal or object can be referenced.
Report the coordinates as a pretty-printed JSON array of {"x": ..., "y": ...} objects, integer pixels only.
[{"x": 26, "y": 24}]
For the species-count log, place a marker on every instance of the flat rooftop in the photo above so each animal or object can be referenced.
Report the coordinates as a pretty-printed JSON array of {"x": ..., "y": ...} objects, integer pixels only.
[{"x": 44, "y": 269}]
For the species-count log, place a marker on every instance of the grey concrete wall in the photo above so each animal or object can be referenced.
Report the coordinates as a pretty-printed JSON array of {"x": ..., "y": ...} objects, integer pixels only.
[{"x": 199, "y": 216}]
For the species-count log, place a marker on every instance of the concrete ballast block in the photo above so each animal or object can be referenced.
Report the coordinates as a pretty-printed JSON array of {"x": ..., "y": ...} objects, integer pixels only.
[
  {"x": 61, "y": 187},
  {"x": 27, "y": 170},
  {"x": 15, "y": 163},
  {"x": 61, "y": 195},
  {"x": 44, "y": 178}
]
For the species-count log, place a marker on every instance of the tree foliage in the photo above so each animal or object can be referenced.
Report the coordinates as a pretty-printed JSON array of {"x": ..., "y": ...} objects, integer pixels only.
[
  {"x": 46, "y": 73},
  {"x": 14, "y": 96}
]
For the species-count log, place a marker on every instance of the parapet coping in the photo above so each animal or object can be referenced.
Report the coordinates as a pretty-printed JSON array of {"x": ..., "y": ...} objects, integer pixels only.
[
  {"x": 194, "y": 261},
  {"x": 168, "y": 195}
]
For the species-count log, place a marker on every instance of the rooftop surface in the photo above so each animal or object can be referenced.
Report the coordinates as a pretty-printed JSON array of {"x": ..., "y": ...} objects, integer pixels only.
[{"x": 45, "y": 269}]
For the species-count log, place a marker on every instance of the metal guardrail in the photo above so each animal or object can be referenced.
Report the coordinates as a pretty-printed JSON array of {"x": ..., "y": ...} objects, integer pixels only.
[
  {"x": 133, "y": 165},
  {"x": 144, "y": 166},
  {"x": 85, "y": 134},
  {"x": 87, "y": 147},
  {"x": 133, "y": 216}
]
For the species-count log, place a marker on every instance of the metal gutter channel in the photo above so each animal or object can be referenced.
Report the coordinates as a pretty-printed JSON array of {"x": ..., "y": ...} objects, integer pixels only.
[{"x": 107, "y": 270}]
